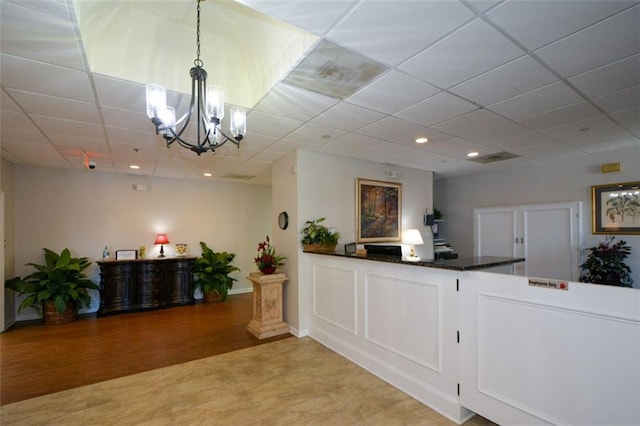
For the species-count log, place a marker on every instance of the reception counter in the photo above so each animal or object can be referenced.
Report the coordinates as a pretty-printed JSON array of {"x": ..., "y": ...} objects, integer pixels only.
[
  {"x": 458, "y": 264},
  {"x": 463, "y": 339}
]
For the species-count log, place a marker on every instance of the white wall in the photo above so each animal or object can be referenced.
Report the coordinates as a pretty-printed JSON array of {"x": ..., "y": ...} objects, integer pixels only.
[
  {"x": 561, "y": 180},
  {"x": 85, "y": 211},
  {"x": 326, "y": 187},
  {"x": 7, "y": 307}
]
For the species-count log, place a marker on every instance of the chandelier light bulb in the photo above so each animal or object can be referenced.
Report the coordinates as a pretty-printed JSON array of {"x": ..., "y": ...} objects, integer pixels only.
[
  {"x": 215, "y": 102},
  {"x": 238, "y": 122},
  {"x": 156, "y": 100}
]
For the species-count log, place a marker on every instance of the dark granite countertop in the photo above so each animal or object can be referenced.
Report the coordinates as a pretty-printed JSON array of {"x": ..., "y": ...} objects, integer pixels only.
[{"x": 460, "y": 264}]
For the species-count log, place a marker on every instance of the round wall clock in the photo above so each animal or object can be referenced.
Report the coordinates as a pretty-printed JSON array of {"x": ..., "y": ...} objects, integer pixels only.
[{"x": 283, "y": 220}]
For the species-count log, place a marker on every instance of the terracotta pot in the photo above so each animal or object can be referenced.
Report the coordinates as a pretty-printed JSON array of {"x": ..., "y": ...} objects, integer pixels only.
[
  {"x": 320, "y": 248},
  {"x": 51, "y": 316},
  {"x": 268, "y": 270}
]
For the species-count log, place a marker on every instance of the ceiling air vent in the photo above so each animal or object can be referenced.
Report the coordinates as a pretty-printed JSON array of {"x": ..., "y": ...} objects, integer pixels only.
[
  {"x": 238, "y": 177},
  {"x": 492, "y": 158}
]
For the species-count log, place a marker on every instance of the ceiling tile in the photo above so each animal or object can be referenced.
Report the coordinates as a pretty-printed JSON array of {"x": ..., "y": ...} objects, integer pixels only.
[
  {"x": 347, "y": 117},
  {"x": 316, "y": 17},
  {"x": 459, "y": 148},
  {"x": 608, "y": 41},
  {"x": 507, "y": 131},
  {"x": 609, "y": 78},
  {"x": 40, "y": 30},
  {"x": 125, "y": 95},
  {"x": 473, "y": 122},
  {"x": 351, "y": 143},
  {"x": 471, "y": 50},
  {"x": 15, "y": 120},
  {"x": 26, "y": 135},
  {"x": 271, "y": 125},
  {"x": 31, "y": 76},
  {"x": 516, "y": 77},
  {"x": 436, "y": 109},
  {"x": 35, "y": 104},
  {"x": 126, "y": 119},
  {"x": 630, "y": 119},
  {"x": 68, "y": 127},
  {"x": 425, "y": 132},
  {"x": 619, "y": 101},
  {"x": 294, "y": 102},
  {"x": 392, "y": 34},
  {"x": 536, "y": 23},
  {"x": 389, "y": 128},
  {"x": 66, "y": 142},
  {"x": 314, "y": 134},
  {"x": 547, "y": 98},
  {"x": 392, "y": 92},
  {"x": 568, "y": 114},
  {"x": 7, "y": 104},
  {"x": 518, "y": 144}
]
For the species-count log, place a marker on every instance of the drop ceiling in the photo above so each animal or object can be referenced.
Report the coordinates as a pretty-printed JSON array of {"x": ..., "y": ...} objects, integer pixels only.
[{"x": 542, "y": 80}]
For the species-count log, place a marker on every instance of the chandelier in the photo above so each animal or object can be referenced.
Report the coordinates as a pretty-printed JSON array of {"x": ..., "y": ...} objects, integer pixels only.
[{"x": 209, "y": 106}]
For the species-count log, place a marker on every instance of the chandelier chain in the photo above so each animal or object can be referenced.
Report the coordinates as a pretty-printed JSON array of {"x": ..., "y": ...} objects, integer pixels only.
[{"x": 198, "y": 62}]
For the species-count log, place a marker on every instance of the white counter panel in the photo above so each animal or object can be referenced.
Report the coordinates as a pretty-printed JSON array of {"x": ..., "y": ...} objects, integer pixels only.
[
  {"x": 408, "y": 305},
  {"x": 397, "y": 321},
  {"x": 534, "y": 355}
]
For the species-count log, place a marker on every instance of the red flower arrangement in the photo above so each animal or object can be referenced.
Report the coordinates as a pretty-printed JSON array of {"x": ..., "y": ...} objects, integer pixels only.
[{"x": 267, "y": 260}]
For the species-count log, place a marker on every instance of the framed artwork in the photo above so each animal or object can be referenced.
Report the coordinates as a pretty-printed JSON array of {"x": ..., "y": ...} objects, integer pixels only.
[
  {"x": 181, "y": 249},
  {"x": 378, "y": 211},
  {"x": 616, "y": 208},
  {"x": 126, "y": 254}
]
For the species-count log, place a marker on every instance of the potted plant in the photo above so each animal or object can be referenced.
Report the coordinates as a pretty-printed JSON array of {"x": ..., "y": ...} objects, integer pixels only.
[
  {"x": 212, "y": 274},
  {"x": 317, "y": 237},
  {"x": 56, "y": 290},
  {"x": 605, "y": 264},
  {"x": 267, "y": 260}
]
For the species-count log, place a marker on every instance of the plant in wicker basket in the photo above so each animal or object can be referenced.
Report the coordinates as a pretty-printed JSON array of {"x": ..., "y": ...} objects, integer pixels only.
[
  {"x": 212, "y": 271},
  {"x": 317, "y": 237},
  {"x": 58, "y": 289}
]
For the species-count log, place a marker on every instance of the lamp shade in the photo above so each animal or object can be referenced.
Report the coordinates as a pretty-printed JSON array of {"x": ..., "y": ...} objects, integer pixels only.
[
  {"x": 412, "y": 236},
  {"x": 162, "y": 239}
]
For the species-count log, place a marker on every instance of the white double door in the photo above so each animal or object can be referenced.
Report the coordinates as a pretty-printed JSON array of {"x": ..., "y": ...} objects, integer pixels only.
[{"x": 547, "y": 235}]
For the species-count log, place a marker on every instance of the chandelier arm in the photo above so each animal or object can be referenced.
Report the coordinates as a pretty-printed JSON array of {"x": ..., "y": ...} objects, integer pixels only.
[
  {"x": 198, "y": 149},
  {"x": 228, "y": 138}
]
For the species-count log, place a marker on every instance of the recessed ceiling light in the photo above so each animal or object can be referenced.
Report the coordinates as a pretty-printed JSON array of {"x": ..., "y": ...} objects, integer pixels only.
[
  {"x": 207, "y": 174},
  {"x": 134, "y": 166},
  {"x": 421, "y": 140},
  {"x": 473, "y": 154}
]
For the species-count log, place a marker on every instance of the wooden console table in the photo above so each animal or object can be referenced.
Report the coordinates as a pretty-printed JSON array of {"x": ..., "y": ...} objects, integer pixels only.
[
  {"x": 267, "y": 305},
  {"x": 134, "y": 285}
]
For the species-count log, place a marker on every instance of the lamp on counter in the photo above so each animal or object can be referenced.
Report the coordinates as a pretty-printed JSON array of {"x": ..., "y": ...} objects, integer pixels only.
[
  {"x": 161, "y": 239},
  {"x": 413, "y": 237}
]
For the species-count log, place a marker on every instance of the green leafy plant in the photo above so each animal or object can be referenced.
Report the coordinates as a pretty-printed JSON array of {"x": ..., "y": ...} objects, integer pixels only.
[
  {"x": 267, "y": 257},
  {"x": 212, "y": 271},
  {"x": 316, "y": 233},
  {"x": 60, "y": 280},
  {"x": 605, "y": 264}
]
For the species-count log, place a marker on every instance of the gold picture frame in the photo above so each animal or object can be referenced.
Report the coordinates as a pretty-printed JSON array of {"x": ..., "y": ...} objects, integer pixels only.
[
  {"x": 615, "y": 208},
  {"x": 378, "y": 211}
]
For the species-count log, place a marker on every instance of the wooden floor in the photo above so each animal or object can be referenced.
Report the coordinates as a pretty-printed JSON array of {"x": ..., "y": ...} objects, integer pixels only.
[{"x": 37, "y": 360}]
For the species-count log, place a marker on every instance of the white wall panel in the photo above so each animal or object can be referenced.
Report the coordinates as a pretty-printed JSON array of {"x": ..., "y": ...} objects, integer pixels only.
[
  {"x": 410, "y": 325},
  {"x": 334, "y": 296}
]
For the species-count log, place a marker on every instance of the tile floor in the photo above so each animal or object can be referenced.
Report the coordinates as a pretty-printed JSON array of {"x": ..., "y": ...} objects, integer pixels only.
[{"x": 287, "y": 382}]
